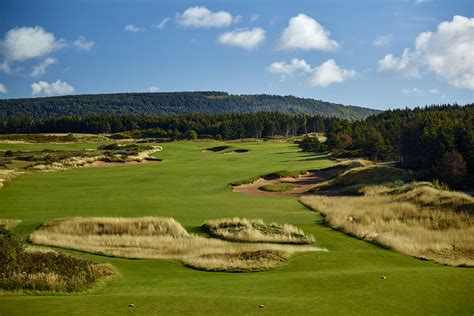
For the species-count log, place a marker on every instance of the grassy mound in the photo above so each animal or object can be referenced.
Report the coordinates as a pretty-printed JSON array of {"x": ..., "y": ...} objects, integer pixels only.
[
  {"x": 44, "y": 271},
  {"x": 247, "y": 261},
  {"x": 418, "y": 220},
  {"x": 354, "y": 179},
  {"x": 281, "y": 187},
  {"x": 153, "y": 238},
  {"x": 246, "y": 230}
]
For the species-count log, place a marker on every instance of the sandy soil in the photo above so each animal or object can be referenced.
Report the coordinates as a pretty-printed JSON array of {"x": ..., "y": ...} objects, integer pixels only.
[{"x": 304, "y": 183}]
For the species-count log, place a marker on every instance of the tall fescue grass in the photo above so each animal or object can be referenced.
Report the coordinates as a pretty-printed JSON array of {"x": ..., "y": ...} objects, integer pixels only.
[
  {"x": 419, "y": 220},
  {"x": 255, "y": 230},
  {"x": 153, "y": 238},
  {"x": 355, "y": 178}
]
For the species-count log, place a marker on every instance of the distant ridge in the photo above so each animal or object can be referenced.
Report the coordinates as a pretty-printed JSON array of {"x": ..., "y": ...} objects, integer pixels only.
[{"x": 169, "y": 103}]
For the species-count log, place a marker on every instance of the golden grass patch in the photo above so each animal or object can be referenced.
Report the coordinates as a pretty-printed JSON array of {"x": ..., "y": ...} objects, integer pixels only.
[
  {"x": 255, "y": 230},
  {"x": 155, "y": 238},
  {"x": 420, "y": 221},
  {"x": 9, "y": 223}
]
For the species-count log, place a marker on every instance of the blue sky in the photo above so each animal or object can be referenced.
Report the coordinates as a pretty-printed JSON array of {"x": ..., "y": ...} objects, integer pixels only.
[{"x": 379, "y": 54}]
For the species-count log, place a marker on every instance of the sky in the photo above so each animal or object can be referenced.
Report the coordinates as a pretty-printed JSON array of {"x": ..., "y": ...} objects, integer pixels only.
[{"x": 372, "y": 53}]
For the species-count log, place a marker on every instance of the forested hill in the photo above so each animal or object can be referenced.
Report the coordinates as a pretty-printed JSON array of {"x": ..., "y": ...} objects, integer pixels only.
[{"x": 174, "y": 103}]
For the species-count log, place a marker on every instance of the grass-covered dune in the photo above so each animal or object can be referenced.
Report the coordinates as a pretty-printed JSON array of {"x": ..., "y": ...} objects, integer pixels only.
[{"x": 192, "y": 186}]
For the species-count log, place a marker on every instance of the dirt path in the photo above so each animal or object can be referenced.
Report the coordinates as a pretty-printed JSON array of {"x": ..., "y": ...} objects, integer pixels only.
[{"x": 304, "y": 183}]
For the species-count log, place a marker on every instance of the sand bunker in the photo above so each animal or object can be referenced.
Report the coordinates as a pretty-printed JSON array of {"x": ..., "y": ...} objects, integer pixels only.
[{"x": 301, "y": 183}]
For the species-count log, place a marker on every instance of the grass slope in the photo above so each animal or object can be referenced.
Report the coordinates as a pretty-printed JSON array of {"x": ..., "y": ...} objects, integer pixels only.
[{"x": 192, "y": 187}]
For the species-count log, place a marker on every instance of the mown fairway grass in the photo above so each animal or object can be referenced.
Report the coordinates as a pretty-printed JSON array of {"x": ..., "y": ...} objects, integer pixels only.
[{"x": 191, "y": 186}]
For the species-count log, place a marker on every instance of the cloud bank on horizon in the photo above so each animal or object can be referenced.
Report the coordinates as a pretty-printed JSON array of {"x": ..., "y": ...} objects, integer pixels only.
[{"x": 304, "y": 52}]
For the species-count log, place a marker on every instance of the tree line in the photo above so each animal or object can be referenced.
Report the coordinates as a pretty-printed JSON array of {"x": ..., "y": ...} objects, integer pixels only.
[{"x": 437, "y": 141}]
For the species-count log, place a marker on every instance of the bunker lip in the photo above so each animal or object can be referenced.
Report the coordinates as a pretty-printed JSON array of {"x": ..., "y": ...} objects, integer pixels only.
[{"x": 304, "y": 182}]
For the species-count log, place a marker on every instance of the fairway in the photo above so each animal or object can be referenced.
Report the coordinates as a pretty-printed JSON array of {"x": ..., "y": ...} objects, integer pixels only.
[{"x": 190, "y": 184}]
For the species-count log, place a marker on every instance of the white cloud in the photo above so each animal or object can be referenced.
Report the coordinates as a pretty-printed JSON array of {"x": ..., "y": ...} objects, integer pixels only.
[
  {"x": 403, "y": 65},
  {"x": 152, "y": 89},
  {"x": 329, "y": 73},
  {"x": 162, "y": 24},
  {"x": 304, "y": 32},
  {"x": 448, "y": 52},
  {"x": 133, "y": 28},
  {"x": 203, "y": 17},
  {"x": 243, "y": 38},
  {"x": 83, "y": 44},
  {"x": 3, "y": 88},
  {"x": 286, "y": 70},
  {"x": 324, "y": 75},
  {"x": 55, "y": 88},
  {"x": 418, "y": 2},
  {"x": 24, "y": 43},
  {"x": 421, "y": 92},
  {"x": 383, "y": 40},
  {"x": 40, "y": 69}
]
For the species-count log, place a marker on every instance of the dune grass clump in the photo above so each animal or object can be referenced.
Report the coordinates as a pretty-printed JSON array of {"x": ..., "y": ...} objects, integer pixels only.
[
  {"x": 156, "y": 238},
  {"x": 280, "y": 187},
  {"x": 419, "y": 220},
  {"x": 246, "y": 261},
  {"x": 255, "y": 230},
  {"x": 22, "y": 270}
]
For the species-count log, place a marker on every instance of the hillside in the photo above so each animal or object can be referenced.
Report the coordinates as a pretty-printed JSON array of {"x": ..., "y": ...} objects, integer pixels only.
[{"x": 174, "y": 103}]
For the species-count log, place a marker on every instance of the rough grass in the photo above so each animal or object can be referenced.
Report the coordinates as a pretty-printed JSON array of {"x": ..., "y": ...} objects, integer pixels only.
[
  {"x": 255, "y": 230},
  {"x": 9, "y": 223},
  {"x": 281, "y": 187},
  {"x": 356, "y": 178},
  {"x": 156, "y": 238},
  {"x": 420, "y": 221}
]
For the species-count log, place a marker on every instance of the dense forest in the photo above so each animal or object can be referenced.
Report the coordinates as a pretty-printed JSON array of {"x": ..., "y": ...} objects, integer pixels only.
[
  {"x": 173, "y": 103},
  {"x": 437, "y": 141},
  {"x": 221, "y": 126}
]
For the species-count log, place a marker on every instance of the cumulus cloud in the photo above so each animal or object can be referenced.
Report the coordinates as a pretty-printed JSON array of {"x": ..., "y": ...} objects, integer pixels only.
[
  {"x": 152, "y": 89},
  {"x": 40, "y": 69},
  {"x": 83, "y": 44},
  {"x": 55, "y": 88},
  {"x": 133, "y": 28},
  {"x": 243, "y": 38},
  {"x": 203, "y": 17},
  {"x": 329, "y": 73},
  {"x": 401, "y": 65},
  {"x": 324, "y": 75},
  {"x": 23, "y": 43},
  {"x": 304, "y": 32},
  {"x": 162, "y": 24},
  {"x": 448, "y": 52},
  {"x": 285, "y": 70},
  {"x": 383, "y": 40},
  {"x": 3, "y": 88}
]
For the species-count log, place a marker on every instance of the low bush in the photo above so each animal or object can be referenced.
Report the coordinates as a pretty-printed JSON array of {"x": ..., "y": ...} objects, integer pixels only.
[{"x": 44, "y": 271}]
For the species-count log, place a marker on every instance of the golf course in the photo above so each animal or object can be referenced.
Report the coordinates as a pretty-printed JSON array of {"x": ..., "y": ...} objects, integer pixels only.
[{"x": 191, "y": 185}]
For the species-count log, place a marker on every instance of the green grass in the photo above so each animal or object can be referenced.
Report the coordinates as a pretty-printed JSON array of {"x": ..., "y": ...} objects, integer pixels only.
[
  {"x": 192, "y": 187},
  {"x": 281, "y": 187}
]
